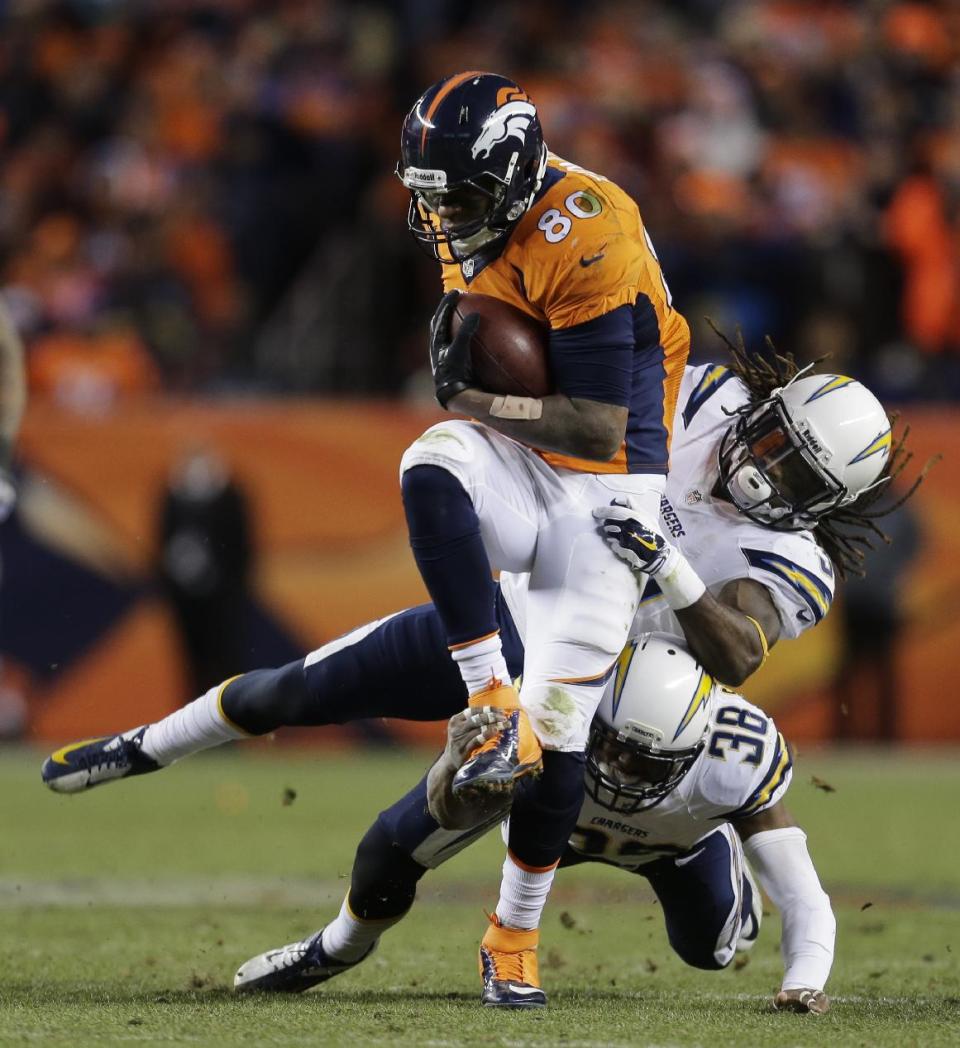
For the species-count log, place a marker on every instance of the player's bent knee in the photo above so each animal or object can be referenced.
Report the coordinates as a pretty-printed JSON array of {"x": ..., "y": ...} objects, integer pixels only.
[
  {"x": 448, "y": 445},
  {"x": 558, "y": 717},
  {"x": 700, "y": 954},
  {"x": 384, "y": 880}
]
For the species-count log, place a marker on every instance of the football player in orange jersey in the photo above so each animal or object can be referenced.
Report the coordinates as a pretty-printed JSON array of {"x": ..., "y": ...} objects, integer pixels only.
[{"x": 516, "y": 493}]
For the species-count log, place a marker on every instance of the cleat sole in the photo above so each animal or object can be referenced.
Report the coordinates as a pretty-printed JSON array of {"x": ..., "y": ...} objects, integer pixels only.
[
  {"x": 497, "y": 781},
  {"x": 514, "y": 1005}
]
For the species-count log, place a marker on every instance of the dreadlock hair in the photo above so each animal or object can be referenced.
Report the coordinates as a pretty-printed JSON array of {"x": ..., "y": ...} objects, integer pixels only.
[{"x": 845, "y": 533}]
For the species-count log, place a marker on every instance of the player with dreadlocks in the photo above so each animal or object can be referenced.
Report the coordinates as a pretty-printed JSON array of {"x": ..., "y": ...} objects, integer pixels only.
[
  {"x": 804, "y": 457},
  {"x": 771, "y": 492},
  {"x": 844, "y": 533}
]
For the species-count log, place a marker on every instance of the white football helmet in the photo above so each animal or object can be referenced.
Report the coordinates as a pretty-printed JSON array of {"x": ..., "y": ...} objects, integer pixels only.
[
  {"x": 650, "y": 725},
  {"x": 811, "y": 447}
]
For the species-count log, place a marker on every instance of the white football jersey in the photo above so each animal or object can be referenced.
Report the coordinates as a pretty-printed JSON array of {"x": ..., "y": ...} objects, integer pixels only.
[
  {"x": 720, "y": 543},
  {"x": 744, "y": 767}
]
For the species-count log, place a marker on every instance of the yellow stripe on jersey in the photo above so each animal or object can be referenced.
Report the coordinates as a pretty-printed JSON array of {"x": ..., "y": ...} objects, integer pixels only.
[
  {"x": 595, "y": 680},
  {"x": 774, "y": 784},
  {"x": 814, "y": 590},
  {"x": 713, "y": 378}
]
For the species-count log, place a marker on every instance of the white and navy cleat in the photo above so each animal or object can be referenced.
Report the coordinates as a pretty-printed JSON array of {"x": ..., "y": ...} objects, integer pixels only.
[
  {"x": 83, "y": 765},
  {"x": 292, "y": 968}
]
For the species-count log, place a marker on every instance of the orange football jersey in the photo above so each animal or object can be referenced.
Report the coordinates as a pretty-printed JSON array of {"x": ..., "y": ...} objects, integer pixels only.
[{"x": 578, "y": 253}]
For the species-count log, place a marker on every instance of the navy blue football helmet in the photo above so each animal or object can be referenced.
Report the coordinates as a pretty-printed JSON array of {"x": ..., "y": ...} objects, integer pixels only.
[{"x": 474, "y": 132}]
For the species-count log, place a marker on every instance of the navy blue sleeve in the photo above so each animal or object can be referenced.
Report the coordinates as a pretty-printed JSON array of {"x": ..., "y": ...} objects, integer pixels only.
[{"x": 594, "y": 360}]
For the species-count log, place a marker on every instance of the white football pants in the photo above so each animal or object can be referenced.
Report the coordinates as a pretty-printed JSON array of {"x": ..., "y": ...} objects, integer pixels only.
[{"x": 581, "y": 598}]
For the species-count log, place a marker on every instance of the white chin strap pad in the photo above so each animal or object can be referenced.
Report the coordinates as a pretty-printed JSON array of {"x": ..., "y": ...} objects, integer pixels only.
[{"x": 749, "y": 486}]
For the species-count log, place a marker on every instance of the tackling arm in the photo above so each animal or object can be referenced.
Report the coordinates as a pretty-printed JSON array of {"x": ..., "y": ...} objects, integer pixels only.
[
  {"x": 729, "y": 635},
  {"x": 777, "y": 850},
  {"x": 723, "y": 631}
]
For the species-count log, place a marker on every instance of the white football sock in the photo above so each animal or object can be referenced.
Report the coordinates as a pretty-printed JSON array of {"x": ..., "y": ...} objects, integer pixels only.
[
  {"x": 347, "y": 937},
  {"x": 523, "y": 894},
  {"x": 481, "y": 663},
  {"x": 199, "y": 725}
]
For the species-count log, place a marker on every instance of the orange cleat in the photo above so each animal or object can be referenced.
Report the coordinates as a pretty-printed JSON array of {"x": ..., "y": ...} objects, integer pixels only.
[
  {"x": 510, "y": 754},
  {"x": 508, "y": 967}
]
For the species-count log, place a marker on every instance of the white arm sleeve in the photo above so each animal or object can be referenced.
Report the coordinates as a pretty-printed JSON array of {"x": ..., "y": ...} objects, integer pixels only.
[{"x": 785, "y": 869}]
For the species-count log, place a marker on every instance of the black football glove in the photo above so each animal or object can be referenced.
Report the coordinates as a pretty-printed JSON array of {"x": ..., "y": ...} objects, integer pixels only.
[{"x": 450, "y": 358}]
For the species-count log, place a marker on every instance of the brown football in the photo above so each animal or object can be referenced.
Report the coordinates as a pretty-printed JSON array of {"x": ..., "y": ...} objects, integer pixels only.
[{"x": 509, "y": 349}]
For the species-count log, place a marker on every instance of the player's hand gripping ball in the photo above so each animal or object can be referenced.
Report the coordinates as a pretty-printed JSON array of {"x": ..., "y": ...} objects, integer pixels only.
[
  {"x": 450, "y": 354},
  {"x": 636, "y": 541},
  {"x": 812, "y": 1002}
]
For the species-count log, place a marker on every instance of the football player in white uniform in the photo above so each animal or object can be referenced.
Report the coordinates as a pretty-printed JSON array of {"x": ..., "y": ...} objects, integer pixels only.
[
  {"x": 685, "y": 781},
  {"x": 756, "y": 518}
]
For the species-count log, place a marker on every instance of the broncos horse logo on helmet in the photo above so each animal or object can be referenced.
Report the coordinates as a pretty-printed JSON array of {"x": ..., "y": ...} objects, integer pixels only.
[
  {"x": 511, "y": 119},
  {"x": 473, "y": 132}
]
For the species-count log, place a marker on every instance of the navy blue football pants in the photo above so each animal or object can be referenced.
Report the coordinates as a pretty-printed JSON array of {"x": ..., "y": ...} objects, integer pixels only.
[{"x": 398, "y": 667}]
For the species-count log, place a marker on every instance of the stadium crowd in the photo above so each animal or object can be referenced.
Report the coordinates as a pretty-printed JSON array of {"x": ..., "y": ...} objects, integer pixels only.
[{"x": 200, "y": 196}]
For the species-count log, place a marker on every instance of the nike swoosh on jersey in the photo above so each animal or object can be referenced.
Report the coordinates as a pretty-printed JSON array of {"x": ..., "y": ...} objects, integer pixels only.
[
  {"x": 589, "y": 261},
  {"x": 689, "y": 858}
]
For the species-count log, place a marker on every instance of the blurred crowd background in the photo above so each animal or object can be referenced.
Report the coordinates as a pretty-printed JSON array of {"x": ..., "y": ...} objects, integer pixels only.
[
  {"x": 204, "y": 244},
  {"x": 200, "y": 195}
]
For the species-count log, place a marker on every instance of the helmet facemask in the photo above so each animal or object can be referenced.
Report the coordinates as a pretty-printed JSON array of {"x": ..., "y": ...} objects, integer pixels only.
[
  {"x": 627, "y": 776},
  {"x": 508, "y": 200},
  {"x": 772, "y": 469}
]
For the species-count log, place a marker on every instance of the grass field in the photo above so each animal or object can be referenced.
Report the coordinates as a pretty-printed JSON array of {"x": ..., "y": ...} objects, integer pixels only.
[{"x": 125, "y": 912}]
